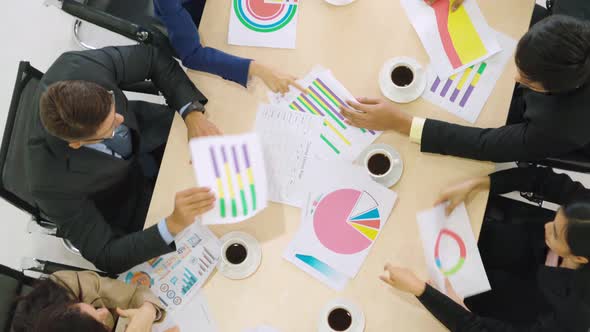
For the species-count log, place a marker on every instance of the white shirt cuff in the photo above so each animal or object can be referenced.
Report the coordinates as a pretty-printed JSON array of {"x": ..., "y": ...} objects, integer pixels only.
[{"x": 164, "y": 232}]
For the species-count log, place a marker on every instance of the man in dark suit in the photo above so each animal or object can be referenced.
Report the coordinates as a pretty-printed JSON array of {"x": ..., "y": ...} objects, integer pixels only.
[{"x": 93, "y": 155}]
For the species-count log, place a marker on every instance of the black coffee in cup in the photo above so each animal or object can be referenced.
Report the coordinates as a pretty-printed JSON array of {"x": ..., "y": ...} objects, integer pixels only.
[
  {"x": 379, "y": 164},
  {"x": 236, "y": 253},
  {"x": 339, "y": 319},
  {"x": 402, "y": 76}
]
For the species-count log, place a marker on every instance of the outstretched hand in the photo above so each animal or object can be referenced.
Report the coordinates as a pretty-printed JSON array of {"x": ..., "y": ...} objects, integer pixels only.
[
  {"x": 274, "y": 79},
  {"x": 376, "y": 114},
  {"x": 457, "y": 194}
]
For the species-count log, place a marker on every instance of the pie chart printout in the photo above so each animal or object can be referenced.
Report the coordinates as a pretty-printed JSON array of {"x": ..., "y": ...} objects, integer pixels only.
[{"x": 347, "y": 221}]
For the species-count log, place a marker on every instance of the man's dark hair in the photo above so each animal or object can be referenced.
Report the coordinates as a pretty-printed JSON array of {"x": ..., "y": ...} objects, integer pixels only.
[
  {"x": 74, "y": 110},
  {"x": 556, "y": 53}
]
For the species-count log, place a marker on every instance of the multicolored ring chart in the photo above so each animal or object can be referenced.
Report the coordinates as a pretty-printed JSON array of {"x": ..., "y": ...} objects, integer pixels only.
[
  {"x": 462, "y": 252},
  {"x": 260, "y": 16}
]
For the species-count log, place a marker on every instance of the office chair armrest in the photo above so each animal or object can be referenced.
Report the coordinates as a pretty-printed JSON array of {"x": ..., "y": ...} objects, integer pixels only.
[
  {"x": 106, "y": 21},
  {"x": 47, "y": 267},
  {"x": 577, "y": 162}
]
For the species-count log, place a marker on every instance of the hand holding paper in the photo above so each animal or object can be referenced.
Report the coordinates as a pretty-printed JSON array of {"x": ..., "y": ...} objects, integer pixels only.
[{"x": 451, "y": 251}]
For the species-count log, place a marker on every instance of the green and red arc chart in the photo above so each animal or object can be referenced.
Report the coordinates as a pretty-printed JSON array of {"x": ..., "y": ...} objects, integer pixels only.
[
  {"x": 260, "y": 16},
  {"x": 462, "y": 252}
]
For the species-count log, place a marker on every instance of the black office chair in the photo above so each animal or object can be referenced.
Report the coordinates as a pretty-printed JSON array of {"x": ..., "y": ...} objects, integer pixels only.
[
  {"x": 15, "y": 283},
  {"x": 134, "y": 19},
  {"x": 13, "y": 185}
]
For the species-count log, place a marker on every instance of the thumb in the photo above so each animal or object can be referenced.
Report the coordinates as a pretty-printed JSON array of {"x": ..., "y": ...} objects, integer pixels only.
[
  {"x": 449, "y": 209},
  {"x": 443, "y": 198},
  {"x": 448, "y": 284},
  {"x": 122, "y": 313}
]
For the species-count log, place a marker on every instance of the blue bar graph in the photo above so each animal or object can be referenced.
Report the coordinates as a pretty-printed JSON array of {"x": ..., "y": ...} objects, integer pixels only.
[{"x": 188, "y": 281}]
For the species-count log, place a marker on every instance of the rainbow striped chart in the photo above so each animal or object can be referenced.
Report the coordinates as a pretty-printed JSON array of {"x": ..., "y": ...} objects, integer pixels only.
[
  {"x": 451, "y": 250},
  {"x": 263, "y": 23},
  {"x": 324, "y": 98},
  {"x": 234, "y": 168},
  {"x": 465, "y": 94},
  {"x": 462, "y": 36}
]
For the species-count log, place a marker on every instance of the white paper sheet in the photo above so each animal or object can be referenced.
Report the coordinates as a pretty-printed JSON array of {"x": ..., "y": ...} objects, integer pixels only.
[
  {"x": 465, "y": 39},
  {"x": 450, "y": 243},
  {"x": 233, "y": 167},
  {"x": 193, "y": 317},
  {"x": 342, "y": 219},
  {"x": 288, "y": 144},
  {"x": 262, "y": 24},
  {"x": 262, "y": 328},
  {"x": 466, "y": 93},
  {"x": 176, "y": 277},
  {"x": 326, "y": 94},
  {"x": 281, "y": 1}
]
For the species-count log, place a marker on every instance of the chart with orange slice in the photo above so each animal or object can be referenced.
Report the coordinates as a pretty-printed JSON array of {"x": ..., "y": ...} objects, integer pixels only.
[{"x": 347, "y": 221}]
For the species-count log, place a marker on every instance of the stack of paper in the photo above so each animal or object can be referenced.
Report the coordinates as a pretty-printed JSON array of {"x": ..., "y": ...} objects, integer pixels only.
[
  {"x": 323, "y": 99},
  {"x": 467, "y": 55}
]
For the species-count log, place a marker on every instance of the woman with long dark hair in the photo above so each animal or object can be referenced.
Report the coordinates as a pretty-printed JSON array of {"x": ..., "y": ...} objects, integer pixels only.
[
  {"x": 84, "y": 301},
  {"x": 538, "y": 270},
  {"x": 550, "y": 109}
]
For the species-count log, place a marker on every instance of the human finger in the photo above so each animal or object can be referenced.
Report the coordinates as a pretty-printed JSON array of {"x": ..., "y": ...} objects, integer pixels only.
[
  {"x": 297, "y": 85},
  {"x": 452, "y": 205},
  {"x": 360, "y": 107},
  {"x": 368, "y": 100}
]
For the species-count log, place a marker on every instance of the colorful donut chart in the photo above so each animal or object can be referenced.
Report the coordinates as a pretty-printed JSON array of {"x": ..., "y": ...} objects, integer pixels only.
[
  {"x": 259, "y": 16},
  {"x": 462, "y": 252}
]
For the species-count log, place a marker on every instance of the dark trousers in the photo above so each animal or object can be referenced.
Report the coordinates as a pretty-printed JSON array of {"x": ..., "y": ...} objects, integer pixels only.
[{"x": 512, "y": 248}]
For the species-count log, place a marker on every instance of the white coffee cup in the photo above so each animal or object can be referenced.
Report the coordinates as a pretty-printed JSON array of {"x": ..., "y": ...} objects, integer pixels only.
[{"x": 393, "y": 162}]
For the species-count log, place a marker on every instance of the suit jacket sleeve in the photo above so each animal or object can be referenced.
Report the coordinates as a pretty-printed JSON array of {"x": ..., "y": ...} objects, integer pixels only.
[
  {"x": 127, "y": 65},
  {"x": 109, "y": 249},
  {"x": 115, "y": 293},
  {"x": 184, "y": 36},
  {"x": 458, "y": 319},
  {"x": 544, "y": 182},
  {"x": 521, "y": 141}
]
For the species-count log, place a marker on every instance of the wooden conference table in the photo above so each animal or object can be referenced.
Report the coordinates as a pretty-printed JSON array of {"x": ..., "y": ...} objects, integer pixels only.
[{"x": 353, "y": 41}]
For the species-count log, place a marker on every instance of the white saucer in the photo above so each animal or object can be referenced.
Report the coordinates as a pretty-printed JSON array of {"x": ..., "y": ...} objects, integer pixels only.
[
  {"x": 358, "y": 320},
  {"x": 395, "y": 174},
  {"x": 395, "y": 94},
  {"x": 249, "y": 265},
  {"x": 339, "y": 2}
]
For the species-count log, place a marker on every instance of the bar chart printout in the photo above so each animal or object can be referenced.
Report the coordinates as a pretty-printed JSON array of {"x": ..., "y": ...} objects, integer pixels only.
[
  {"x": 233, "y": 167},
  {"x": 465, "y": 93},
  {"x": 454, "y": 40}
]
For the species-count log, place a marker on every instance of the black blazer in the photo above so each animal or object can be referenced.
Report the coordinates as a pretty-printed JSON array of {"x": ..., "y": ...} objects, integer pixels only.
[
  {"x": 575, "y": 8},
  {"x": 99, "y": 202},
  {"x": 553, "y": 125},
  {"x": 567, "y": 291}
]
